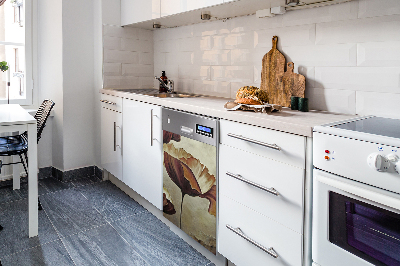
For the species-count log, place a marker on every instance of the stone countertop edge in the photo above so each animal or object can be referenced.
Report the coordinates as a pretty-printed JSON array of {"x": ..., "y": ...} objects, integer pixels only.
[{"x": 288, "y": 121}]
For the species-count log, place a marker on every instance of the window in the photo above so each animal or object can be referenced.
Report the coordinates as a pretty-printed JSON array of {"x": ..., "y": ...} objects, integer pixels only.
[{"x": 16, "y": 50}]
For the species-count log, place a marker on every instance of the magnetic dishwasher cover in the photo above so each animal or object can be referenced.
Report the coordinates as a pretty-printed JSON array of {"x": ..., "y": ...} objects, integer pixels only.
[{"x": 190, "y": 174}]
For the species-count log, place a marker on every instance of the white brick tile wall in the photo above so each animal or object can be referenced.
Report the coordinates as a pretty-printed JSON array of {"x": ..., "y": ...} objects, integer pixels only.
[
  {"x": 380, "y": 104},
  {"x": 349, "y": 54},
  {"x": 373, "y": 8},
  {"x": 373, "y": 79},
  {"x": 112, "y": 69},
  {"x": 322, "y": 55},
  {"x": 112, "y": 43},
  {"x": 339, "y": 101},
  {"x": 378, "y": 54},
  {"x": 128, "y": 57},
  {"x": 137, "y": 70},
  {"x": 377, "y": 29}
]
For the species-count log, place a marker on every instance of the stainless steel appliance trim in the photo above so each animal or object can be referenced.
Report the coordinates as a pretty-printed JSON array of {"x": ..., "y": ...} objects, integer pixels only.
[
  {"x": 239, "y": 177},
  {"x": 105, "y": 101},
  {"x": 174, "y": 120},
  {"x": 272, "y": 146},
  {"x": 239, "y": 232}
]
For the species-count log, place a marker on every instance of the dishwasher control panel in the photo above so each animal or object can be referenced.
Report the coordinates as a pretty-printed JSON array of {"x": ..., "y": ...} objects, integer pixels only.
[{"x": 204, "y": 130}]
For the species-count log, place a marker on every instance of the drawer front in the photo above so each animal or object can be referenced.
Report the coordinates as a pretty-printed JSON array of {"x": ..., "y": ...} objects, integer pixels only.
[
  {"x": 111, "y": 102},
  {"x": 292, "y": 147},
  {"x": 273, "y": 177},
  {"x": 286, "y": 243}
]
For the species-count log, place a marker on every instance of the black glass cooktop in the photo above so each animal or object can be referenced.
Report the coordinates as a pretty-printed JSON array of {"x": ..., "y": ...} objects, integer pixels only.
[{"x": 374, "y": 125}]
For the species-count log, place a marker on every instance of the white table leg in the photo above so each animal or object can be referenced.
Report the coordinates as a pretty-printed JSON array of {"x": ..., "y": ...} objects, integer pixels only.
[
  {"x": 16, "y": 172},
  {"x": 32, "y": 180}
]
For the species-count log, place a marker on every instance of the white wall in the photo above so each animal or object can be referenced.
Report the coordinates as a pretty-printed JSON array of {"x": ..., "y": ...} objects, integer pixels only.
[
  {"x": 349, "y": 53},
  {"x": 50, "y": 75},
  {"x": 78, "y": 83},
  {"x": 66, "y": 63}
]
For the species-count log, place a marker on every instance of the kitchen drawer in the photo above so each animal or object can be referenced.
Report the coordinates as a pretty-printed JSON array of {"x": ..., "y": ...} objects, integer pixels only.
[
  {"x": 292, "y": 146},
  {"x": 111, "y": 102},
  {"x": 288, "y": 181},
  {"x": 286, "y": 243}
]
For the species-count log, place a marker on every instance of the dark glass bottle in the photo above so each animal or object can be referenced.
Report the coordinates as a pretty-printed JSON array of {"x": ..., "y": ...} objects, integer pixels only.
[{"x": 163, "y": 78}]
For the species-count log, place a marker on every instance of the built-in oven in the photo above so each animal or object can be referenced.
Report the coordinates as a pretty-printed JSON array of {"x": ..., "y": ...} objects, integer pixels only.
[{"x": 356, "y": 193}]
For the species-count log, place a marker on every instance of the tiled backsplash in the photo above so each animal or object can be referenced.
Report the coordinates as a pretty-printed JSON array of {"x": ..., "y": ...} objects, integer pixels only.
[
  {"x": 349, "y": 53},
  {"x": 127, "y": 57}
]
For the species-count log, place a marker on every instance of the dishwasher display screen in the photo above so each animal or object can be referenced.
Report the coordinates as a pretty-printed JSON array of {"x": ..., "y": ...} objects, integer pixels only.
[{"x": 203, "y": 130}]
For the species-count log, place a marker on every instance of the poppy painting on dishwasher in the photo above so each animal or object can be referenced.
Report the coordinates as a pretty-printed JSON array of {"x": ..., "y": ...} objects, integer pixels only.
[{"x": 189, "y": 187}]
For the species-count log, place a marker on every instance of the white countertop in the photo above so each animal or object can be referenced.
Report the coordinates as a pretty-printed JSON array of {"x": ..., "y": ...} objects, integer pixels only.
[{"x": 294, "y": 122}]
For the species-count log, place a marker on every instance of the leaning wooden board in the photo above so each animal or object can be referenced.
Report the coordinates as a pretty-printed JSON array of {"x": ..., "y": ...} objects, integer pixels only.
[
  {"x": 293, "y": 83},
  {"x": 273, "y": 68},
  {"x": 280, "y": 85}
]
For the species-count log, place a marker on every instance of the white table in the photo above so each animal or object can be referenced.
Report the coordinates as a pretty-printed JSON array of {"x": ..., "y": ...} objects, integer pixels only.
[{"x": 15, "y": 118}]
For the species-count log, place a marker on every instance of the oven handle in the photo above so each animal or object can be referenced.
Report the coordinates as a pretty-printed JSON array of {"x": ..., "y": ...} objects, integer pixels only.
[{"x": 361, "y": 192}]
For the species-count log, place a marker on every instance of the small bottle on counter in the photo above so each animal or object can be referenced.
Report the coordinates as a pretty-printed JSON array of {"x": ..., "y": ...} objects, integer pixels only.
[{"x": 163, "y": 78}]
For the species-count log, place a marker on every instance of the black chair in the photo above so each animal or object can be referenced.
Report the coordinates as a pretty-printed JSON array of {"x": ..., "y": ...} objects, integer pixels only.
[{"x": 18, "y": 145}]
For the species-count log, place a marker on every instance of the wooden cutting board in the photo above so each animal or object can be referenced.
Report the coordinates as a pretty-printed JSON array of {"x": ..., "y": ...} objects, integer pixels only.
[
  {"x": 293, "y": 84},
  {"x": 273, "y": 68}
]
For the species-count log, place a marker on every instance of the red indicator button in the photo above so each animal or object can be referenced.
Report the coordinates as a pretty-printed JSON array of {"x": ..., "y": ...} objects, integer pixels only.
[
  {"x": 327, "y": 151},
  {"x": 327, "y": 158}
]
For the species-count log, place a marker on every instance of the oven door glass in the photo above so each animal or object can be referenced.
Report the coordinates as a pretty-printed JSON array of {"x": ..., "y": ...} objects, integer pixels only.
[{"x": 367, "y": 231}]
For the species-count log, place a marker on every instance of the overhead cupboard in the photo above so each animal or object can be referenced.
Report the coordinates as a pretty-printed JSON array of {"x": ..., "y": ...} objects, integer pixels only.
[{"x": 175, "y": 13}]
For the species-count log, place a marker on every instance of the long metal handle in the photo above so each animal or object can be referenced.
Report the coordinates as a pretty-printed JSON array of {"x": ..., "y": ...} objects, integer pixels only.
[
  {"x": 272, "y": 146},
  {"x": 115, "y": 136},
  {"x": 269, "y": 190},
  {"x": 105, "y": 101},
  {"x": 151, "y": 127},
  {"x": 239, "y": 232}
]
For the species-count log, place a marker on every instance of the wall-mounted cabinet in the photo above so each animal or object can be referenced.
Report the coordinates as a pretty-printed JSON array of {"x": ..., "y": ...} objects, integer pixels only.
[
  {"x": 174, "y": 13},
  {"x": 172, "y": 7},
  {"x": 134, "y": 11}
]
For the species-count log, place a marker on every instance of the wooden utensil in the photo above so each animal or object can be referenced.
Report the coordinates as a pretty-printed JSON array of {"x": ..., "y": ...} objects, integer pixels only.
[
  {"x": 273, "y": 68},
  {"x": 293, "y": 84}
]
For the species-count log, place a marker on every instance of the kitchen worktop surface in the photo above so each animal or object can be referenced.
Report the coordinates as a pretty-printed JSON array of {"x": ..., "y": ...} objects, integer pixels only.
[{"x": 295, "y": 122}]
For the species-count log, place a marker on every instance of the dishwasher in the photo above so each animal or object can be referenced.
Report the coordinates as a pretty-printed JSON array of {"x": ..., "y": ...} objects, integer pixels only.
[{"x": 190, "y": 181}]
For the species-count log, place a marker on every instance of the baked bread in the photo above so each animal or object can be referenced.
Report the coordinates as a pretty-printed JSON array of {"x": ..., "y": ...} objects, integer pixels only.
[{"x": 251, "y": 95}]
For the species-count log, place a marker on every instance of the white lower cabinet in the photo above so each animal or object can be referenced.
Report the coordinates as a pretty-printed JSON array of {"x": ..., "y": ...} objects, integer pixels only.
[
  {"x": 274, "y": 237},
  {"x": 261, "y": 195},
  {"x": 142, "y": 150},
  {"x": 111, "y": 135}
]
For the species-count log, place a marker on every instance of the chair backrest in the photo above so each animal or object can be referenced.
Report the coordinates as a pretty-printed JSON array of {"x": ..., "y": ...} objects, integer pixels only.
[{"x": 41, "y": 116}]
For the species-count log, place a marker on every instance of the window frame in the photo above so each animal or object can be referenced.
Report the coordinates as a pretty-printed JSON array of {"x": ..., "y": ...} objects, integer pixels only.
[{"x": 29, "y": 20}]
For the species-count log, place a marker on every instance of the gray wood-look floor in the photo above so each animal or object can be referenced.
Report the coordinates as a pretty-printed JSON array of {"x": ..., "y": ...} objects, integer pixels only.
[{"x": 87, "y": 222}]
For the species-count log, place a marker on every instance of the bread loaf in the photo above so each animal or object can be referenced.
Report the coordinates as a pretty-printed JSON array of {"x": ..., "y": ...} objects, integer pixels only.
[{"x": 251, "y": 95}]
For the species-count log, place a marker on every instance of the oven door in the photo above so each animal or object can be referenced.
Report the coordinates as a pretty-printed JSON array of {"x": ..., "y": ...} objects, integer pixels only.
[{"x": 353, "y": 223}]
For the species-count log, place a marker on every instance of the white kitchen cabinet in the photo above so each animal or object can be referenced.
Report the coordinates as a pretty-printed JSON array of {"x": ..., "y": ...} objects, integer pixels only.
[
  {"x": 142, "y": 160},
  {"x": 261, "y": 189},
  {"x": 111, "y": 134},
  {"x": 133, "y": 11},
  {"x": 171, "y": 7}
]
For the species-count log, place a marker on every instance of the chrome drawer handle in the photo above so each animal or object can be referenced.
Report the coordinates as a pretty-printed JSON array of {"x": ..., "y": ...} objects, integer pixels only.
[
  {"x": 269, "y": 190},
  {"x": 272, "y": 146},
  {"x": 270, "y": 250},
  {"x": 105, "y": 101}
]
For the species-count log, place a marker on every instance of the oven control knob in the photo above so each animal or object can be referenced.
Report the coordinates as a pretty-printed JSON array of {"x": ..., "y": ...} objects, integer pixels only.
[{"x": 378, "y": 162}]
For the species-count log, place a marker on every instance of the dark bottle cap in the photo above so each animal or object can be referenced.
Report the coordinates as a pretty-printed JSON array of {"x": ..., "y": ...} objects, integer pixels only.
[{"x": 163, "y": 73}]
